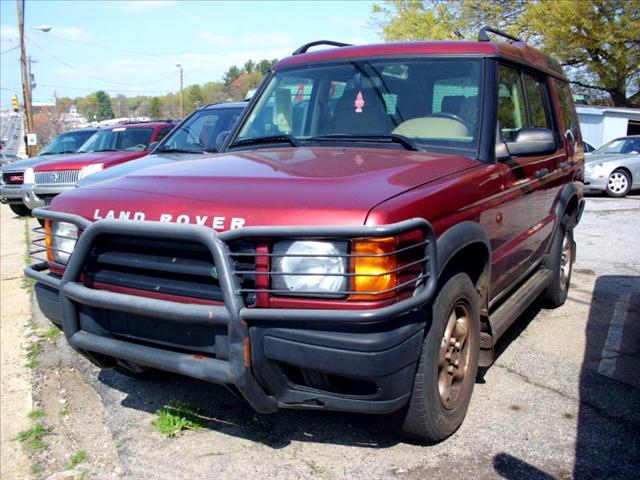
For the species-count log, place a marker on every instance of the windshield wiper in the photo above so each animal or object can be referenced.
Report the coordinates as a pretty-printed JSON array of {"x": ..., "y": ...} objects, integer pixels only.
[
  {"x": 106, "y": 150},
  {"x": 268, "y": 139},
  {"x": 388, "y": 138},
  {"x": 176, "y": 150}
]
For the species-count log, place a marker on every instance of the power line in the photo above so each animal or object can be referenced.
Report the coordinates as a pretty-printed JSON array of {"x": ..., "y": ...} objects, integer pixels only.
[
  {"x": 9, "y": 49},
  {"x": 71, "y": 67},
  {"x": 104, "y": 89}
]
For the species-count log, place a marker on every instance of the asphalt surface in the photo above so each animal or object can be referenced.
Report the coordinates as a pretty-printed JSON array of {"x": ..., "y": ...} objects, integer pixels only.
[
  {"x": 11, "y": 126},
  {"x": 561, "y": 400}
]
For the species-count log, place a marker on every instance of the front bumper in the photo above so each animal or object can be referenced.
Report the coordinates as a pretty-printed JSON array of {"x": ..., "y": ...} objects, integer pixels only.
[
  {"x": 11, "y": 193},
  {"x": 346, "y": 360},
  {"x": 36, "y": 196}
]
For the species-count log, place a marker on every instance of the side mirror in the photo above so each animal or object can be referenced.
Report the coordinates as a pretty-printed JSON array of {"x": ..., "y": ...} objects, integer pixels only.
[
  {"x": 532, "y": 141},
  {"x": 152, "y": 146},
  {"x": 221, "y": 138}
]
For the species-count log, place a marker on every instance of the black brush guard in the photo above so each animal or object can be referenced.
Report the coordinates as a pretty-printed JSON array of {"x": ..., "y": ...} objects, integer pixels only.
[{"x": 234, "y": 314}]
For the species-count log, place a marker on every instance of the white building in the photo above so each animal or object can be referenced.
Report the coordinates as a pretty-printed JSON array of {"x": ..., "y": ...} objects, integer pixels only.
[{"x": 601, "y": 124}]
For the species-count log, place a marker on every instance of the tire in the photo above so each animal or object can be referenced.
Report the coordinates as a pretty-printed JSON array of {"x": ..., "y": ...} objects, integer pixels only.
[
  {"x": 435, "y": 412},
  {"x": 19, "y": 209},
  {"x": 560, "y": 263},
  {"x": 618, "y": 183}
]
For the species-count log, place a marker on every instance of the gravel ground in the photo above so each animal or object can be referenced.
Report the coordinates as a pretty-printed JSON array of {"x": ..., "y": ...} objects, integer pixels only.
[{"x": 561, "y": 400}]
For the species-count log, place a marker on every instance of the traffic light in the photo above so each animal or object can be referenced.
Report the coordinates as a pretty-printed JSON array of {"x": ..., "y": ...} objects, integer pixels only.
[{"x": 16, "y": 104}]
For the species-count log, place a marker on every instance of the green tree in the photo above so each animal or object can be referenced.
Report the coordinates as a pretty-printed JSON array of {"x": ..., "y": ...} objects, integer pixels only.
[
  {"x": 103, "y": 106},
  {"x": 249, "y": 66},
  {"x": 230, "y": 75},
  {"x": 265, "y": 65},
  {"x": 194, "y": 97},
  {"x": 597, "y": 41},
  {"x": 155, "y": 108}
]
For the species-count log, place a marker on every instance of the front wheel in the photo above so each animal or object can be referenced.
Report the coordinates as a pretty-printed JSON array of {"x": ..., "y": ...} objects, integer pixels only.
[
  {"x": 19, "y": 209},
  {"x": 448, "y": 364},
  {"x": 618, "y": 183}
]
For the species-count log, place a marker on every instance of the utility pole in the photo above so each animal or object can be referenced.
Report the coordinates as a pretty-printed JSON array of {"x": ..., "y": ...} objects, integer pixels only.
[
  {"x": 26, "y": 80},
  {"x": 181, "y": 91}
]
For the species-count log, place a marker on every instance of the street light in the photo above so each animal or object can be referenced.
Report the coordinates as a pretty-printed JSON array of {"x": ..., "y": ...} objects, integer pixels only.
[
  {"x": 44, "y": 28},
  {"x": 181, "y": 91}
]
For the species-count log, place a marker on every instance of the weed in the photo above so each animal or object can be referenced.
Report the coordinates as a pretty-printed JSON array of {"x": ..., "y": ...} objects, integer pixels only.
[
  {"x": 176, "y": 417},
  {"x": 51, "y": 333},
  {"x": 76, "y": 459},
  {"x": 27, "y": 282},
  {"x": 36, "y": 468},
  {"x": 32, "y": 363},
  {"x": 35, "y": 414},
  {"x": 65, "y": 412},
  {"x": 32, "y": 437},
  {"x": 119, "y": 444}
]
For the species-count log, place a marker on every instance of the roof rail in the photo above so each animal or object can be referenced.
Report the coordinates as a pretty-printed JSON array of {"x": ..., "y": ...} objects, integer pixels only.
[
  {"x": 483, "y": 37},
  {"x": 307, "y": 46}
]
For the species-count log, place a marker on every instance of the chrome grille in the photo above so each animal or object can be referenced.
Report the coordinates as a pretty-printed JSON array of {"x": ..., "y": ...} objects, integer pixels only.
[{"x": 57, "y": 176}]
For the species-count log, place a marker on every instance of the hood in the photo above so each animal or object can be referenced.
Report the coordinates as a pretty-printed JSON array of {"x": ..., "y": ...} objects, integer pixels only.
[
  {"x": 22, "y": 165},
  {"x": 292, "y": 186},
  {"x": 600, "y": 158},
  {"x": 130, "y": 167},
  {"x": 78, "y": 160}
]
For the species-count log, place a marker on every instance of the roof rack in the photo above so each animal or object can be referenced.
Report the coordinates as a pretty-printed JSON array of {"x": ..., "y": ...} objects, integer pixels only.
[
  {"x": 304, "y": 48},
  {"x": 483, "y": 37}
]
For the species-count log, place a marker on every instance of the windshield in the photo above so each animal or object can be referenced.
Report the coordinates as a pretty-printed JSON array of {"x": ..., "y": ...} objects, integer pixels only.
[
  {"x": 68, "y": 142},
  {"x": 622, "y": 146},
  {"x": 428, "y": 103},
  {"x": 199, "y": 132},
  {"x": 120, "y": 138}
]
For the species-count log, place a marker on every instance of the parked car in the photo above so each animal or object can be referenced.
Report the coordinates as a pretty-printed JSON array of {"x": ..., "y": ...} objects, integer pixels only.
[
  {"x": 588, "y": 148},
  {"x": 63, "y": 145},
  {"x": 108, "y": 147},
  {"x": 374, "y": 223},
  {"x": 194, "y": 136},
  {"x": 614, "y": 168}
]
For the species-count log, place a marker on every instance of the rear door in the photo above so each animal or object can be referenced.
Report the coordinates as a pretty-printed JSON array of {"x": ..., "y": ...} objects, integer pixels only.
[{"x": 525, "y": 217}]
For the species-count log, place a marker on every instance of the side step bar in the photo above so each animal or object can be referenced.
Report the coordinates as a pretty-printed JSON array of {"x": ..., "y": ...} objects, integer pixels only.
[{"x": 517, "y": 302}]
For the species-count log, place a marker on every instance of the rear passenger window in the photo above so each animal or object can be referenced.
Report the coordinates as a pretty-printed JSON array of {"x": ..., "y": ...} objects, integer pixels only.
[
  {"x": 535, "y": 100},
  {"x": 511, "y": 106},
  {"x": 568, "y": 113}
]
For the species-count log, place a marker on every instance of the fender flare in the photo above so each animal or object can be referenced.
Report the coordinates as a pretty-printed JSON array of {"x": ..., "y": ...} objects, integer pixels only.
[
  {"x": 454, "y": 240},
  {"x": 568, "y": 192}
]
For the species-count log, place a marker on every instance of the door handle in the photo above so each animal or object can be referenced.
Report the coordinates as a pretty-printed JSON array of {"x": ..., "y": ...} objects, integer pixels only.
[{"x": 542, "y": 172}]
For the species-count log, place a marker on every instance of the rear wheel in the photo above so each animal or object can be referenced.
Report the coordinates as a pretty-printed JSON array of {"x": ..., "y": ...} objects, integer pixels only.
[
  {"x": 19, "y": 209},
  {"x": 618, "y": 183},
  {"x": 561, "y": 265},
  {"x": 448, "y": 364}
]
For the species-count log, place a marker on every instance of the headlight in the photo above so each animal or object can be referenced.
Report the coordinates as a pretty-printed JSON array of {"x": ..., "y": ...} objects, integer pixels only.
[
  {"x": 595, "y": 170},
  {"x": 310, "y": 267},
  {"x": 61, "y": 238},
  {"x": 29, "y": 176},
  {"x": 90, "y": 169}
]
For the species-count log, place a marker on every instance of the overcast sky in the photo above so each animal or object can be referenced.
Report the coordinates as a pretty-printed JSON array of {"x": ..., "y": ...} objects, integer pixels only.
[{"x": 132, "y": 47}]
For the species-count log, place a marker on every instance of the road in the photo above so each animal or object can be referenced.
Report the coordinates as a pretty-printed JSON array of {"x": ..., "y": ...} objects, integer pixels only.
[
  {"x": 11, "y": 132},
  {"x": 561, "y": 400}
]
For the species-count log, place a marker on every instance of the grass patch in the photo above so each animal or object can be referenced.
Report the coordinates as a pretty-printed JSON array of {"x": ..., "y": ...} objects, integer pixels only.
[
  {"x": 175, "y": 418},
  {"x": 36, "y": 414},
  {"x": 27, "y": 283},
  {"x": 36, "y": 468},
  {"x": 76, "y": 459},
  {"x": 33, "y": 350},
  {"x": 119, "y": 444},
  {"x": 65, "y": 412},
  {"x": 32, "y": 437},
  {"x": 51, "y": 333}
]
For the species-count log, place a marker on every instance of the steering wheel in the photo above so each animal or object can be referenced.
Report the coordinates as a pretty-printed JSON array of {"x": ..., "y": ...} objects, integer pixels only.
[{"x": 451, "y": 116}]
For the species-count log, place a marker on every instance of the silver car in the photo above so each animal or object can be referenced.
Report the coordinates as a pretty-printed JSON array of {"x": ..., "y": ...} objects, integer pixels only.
[{"x": 614, "y": 168}]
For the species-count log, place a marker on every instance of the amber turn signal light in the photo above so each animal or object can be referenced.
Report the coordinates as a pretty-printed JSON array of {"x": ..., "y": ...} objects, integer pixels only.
[
  {"x": 48, "y": 240},
  {"x": 374, "y": 273}
]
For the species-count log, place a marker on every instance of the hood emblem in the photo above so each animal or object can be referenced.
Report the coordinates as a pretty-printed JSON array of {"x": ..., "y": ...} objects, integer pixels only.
[{"x": 214, "y": 273}]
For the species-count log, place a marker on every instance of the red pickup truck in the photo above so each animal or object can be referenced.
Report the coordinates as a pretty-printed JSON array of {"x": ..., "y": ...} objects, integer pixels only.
[{"x": 372, "y": 225}]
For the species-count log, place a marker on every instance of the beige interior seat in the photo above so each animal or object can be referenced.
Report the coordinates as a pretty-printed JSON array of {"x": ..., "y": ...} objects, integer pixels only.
[{"x": 432, "y": 127}]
